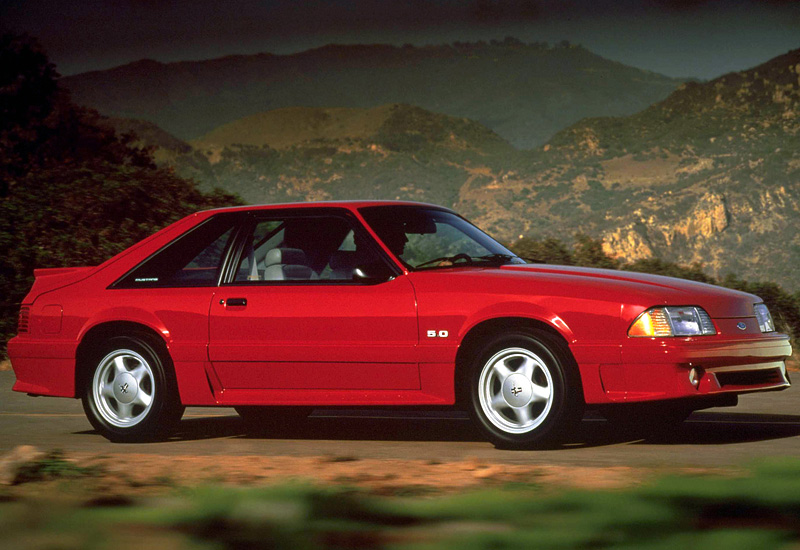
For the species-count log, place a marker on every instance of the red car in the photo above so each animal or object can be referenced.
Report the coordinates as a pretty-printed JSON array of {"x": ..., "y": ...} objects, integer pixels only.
[{"x": 275, "y": 309}]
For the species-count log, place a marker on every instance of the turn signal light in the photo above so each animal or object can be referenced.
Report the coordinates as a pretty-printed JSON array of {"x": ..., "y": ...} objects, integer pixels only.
[{"x": 663, "y": 322}]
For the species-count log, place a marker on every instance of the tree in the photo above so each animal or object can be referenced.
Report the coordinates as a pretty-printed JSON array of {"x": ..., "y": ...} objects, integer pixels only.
[
  {"x": 548, "y": 251},
  {"x": 657, "y": 266},
  {"x": 73, "y": 191},
  {"x": 28, "y": 95},
  {"x": 589, "y": 253}
]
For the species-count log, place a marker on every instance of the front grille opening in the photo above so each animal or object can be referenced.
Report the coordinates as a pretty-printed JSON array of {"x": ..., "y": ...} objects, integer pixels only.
[
  {"x": 761, "y": 377},
  {"x": 24, "y": 320}
]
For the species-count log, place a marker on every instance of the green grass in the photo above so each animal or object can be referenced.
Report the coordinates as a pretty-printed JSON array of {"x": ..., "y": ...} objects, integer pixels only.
[
  {"x": 52, "y": 466},
  {"x": 758, "y": 510}
]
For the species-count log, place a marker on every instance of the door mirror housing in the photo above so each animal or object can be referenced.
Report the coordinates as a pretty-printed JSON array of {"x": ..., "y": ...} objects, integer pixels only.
[{"x": 373, "y": 273}]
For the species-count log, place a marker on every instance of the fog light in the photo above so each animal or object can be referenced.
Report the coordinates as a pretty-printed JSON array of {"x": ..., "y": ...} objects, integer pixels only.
[{"x": 694, "y": 377}]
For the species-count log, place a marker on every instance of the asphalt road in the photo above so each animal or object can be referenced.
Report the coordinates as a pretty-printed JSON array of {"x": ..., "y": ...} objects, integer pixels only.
[{"x": 766, "y": 424}]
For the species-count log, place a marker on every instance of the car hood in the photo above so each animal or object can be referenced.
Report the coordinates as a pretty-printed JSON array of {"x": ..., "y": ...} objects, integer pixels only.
[{"x": 642, "y": 288}]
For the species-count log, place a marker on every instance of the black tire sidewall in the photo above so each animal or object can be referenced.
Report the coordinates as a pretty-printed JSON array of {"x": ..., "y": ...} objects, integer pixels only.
[
  {"x": 550, "y": 352},
  {"x": 164, "y": 408}
]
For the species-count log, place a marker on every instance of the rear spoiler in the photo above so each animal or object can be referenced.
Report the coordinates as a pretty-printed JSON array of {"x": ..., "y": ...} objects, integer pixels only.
[{"x": 51, "y": 278}]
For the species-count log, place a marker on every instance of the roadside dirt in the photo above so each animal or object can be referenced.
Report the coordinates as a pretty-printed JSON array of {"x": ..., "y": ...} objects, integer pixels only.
[{"x": 130, "y": 475}]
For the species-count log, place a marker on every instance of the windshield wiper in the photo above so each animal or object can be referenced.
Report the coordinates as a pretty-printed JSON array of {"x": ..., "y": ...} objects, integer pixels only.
[
  {"x": 498, "y": 259},
  {"x": 450, "y": 259}
]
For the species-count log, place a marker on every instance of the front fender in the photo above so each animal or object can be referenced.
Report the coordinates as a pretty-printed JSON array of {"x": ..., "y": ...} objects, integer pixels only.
[{"x": 517, "y": 309}]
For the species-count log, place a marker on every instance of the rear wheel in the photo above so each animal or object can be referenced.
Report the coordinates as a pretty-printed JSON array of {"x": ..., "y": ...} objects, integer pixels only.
[
  {"x": 524, "y": 390},
  {"x": 129, "y": 395}
]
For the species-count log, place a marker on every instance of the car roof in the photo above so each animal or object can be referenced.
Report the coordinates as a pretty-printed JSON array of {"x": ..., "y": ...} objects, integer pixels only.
[{"x": 350, "y": 205}]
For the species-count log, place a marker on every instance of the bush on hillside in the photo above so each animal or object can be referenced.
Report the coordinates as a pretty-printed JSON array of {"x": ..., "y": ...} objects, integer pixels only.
[{"x": 73, "y": 192}]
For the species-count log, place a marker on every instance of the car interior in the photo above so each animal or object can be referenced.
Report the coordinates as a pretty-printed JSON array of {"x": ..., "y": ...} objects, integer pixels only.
[{"x": 319, "y": 248}]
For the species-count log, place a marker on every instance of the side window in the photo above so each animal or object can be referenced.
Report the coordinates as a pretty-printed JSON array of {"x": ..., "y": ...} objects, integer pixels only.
[
  {"x": 194, "y": 259},
  {"x": 302, "y": 248},
  {"x": 267, "y": 235}
]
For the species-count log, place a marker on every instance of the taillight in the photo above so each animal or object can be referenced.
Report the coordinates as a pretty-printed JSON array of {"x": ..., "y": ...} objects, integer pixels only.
[{"x": 24, "y": 320}]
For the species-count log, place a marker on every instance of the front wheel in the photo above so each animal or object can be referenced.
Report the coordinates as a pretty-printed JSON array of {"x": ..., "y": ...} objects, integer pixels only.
[
  {"x": 524, "y": 390},
  {"x": 129, "y": 395}
]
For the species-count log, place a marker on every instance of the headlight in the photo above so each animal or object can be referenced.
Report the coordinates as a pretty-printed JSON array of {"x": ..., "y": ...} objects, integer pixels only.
[
  {"x": 765, "y": 322},
  {"x": 663, "y": 322}
]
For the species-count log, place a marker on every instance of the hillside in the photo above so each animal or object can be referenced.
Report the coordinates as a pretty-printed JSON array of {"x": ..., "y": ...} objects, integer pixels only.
[
  {"x": 298, "y": 126},
  {"x": 524, "y": 92},
  {"x": 711, "y": 175},
  {"x": 306, "y": 153}
]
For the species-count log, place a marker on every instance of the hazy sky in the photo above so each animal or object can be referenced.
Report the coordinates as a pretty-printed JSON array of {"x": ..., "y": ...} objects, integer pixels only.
[{"x": 696, "y": 38}]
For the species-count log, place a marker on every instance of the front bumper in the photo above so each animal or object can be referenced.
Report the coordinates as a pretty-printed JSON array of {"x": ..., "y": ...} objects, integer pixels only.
[{"x": 667, "y": 368}]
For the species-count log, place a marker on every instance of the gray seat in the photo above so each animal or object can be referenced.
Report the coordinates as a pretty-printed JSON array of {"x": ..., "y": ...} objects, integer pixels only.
[{"x": 286, "y": 264}]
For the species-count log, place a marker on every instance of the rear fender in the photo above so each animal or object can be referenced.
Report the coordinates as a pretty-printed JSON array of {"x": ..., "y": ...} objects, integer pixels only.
[{"x": 129, "y": 315}]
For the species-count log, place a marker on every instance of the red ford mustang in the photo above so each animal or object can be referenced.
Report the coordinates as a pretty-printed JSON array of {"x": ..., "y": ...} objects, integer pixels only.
[{"x": 275, "y": 309}]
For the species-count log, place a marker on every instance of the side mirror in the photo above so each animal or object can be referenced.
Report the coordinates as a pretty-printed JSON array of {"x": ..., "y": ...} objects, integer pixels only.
[{"x": 373, "y": 273}]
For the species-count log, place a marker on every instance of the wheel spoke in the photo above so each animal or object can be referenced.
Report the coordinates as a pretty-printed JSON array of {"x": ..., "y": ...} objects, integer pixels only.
[
  {"x": 501, "y": 370},
  {"x": 523, "y": 414},
  {"x": 125, "y": 410},
  {"x": 139, "y": 373},
  {"x": 527, "y": 368},
  {"x": 107, "y": 391},
  {"x": 498, "y": 402},
  {"x": 540, "y": 393},
  {"x": 119, "y": 365},
  {"x": 142, "y": 398}
]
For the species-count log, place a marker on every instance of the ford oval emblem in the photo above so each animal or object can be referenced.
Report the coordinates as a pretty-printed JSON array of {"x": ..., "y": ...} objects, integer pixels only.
[{"x": 741, "y": 326}]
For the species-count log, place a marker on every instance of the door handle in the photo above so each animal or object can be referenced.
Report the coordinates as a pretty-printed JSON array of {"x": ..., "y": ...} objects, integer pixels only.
[{"x": 234, "y": 302}]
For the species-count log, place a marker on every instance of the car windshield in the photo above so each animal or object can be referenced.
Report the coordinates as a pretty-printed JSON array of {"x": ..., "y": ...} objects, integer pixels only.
[{"x": 428, "y": 238}]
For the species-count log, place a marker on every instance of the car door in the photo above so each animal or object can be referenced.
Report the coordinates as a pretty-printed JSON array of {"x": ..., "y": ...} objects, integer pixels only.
[{"x": 292, "y": 315}]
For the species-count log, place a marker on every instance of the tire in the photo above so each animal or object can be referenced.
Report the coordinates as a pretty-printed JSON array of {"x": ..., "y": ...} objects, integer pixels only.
[
  {"x": 524, "y": 390},
  {"x": 129, "y": 393},
  {"x": 272, "y": 419}
]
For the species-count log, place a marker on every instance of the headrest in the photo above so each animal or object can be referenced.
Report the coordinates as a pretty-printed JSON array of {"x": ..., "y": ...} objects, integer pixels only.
[{"x": 293, "y": 256}]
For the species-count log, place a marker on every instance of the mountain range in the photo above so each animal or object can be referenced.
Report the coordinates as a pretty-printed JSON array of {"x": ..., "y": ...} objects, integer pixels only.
[
  {"x": 710, "y": 174},
  {"x": 524, "y": 92}
]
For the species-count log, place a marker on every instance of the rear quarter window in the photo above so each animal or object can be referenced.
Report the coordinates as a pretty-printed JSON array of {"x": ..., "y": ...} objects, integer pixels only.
[{"x": 193, "y": 259}]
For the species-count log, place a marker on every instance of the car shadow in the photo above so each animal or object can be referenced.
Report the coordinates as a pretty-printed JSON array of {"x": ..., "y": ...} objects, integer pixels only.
[
  {"x": 344, "y": 428},
  {"x": 702, "y": 428}
]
